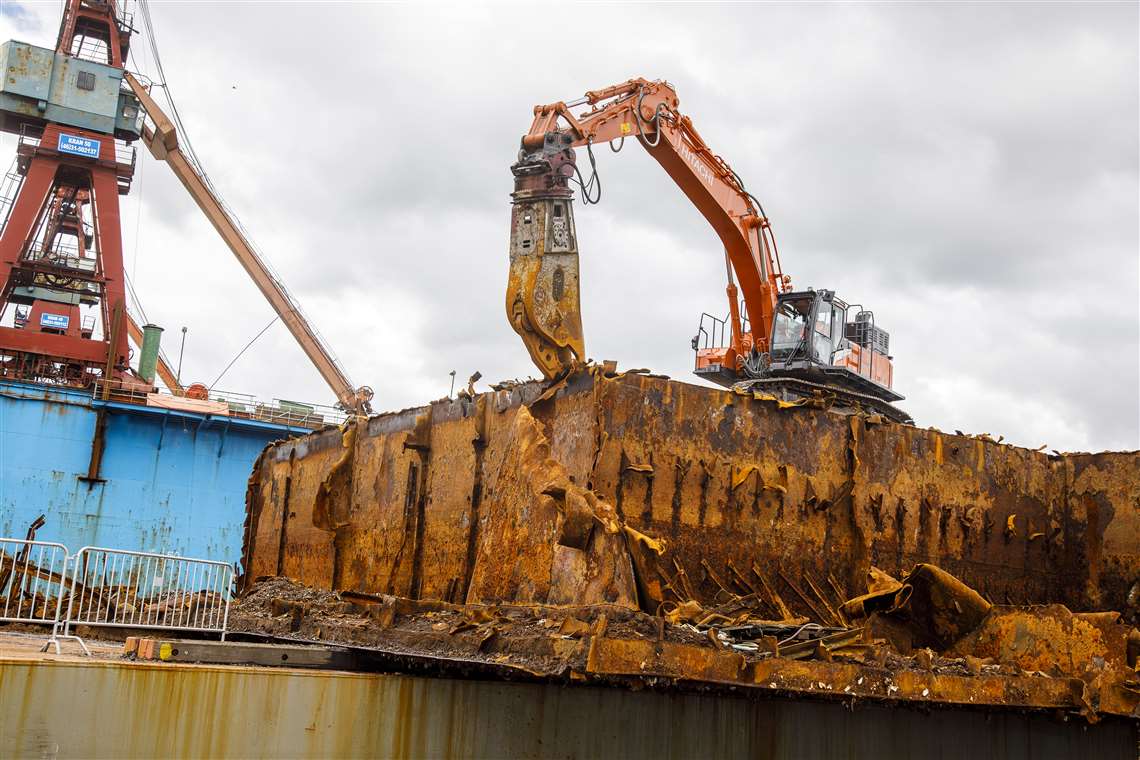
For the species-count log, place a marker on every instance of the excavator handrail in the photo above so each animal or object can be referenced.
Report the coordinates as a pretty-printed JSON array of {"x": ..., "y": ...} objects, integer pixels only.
[{"x": 162, "y": 141}]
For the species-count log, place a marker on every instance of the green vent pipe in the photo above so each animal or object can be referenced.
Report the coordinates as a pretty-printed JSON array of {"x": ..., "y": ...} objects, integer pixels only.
[{"x": 148, "y": 359}]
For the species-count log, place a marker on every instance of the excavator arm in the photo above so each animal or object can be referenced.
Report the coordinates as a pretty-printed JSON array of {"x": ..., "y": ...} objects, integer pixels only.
[
  {"x": 542, "y": 294},
  {"x": 162, "y": 141}
]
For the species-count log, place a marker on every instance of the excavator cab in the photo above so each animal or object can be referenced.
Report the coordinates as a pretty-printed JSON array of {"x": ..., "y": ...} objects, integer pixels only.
[
  {"x": 807, "y": 330},
  {"x": 814, "y": 341}
]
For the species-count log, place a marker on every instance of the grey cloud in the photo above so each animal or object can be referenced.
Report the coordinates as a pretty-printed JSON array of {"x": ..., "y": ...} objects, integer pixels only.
[{"x": 22, "y": 17}]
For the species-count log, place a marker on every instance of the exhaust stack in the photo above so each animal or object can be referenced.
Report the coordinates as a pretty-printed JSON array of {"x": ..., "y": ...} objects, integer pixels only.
[{"x": 148, "y": 357}]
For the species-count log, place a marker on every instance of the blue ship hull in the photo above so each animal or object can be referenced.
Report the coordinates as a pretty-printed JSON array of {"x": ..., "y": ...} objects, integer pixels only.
[{"x": 169, "y": 481}]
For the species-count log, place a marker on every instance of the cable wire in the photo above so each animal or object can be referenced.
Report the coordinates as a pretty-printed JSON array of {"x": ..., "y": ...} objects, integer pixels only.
[
  {"x": 641, "y": 122},
  {"x": 595, "y": 179},
  {"x": 247, "y": 345}
]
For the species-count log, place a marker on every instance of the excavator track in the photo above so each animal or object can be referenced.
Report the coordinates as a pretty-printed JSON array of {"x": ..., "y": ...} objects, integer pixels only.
[{"x": 796, "y": 388}]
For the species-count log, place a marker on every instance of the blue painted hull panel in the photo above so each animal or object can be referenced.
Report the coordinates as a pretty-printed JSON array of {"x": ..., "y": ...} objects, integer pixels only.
[{"x": 170, "y": 481}]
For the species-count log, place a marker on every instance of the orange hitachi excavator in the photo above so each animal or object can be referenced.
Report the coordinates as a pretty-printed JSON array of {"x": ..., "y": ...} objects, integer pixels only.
[{"x": 791, "y": 344}]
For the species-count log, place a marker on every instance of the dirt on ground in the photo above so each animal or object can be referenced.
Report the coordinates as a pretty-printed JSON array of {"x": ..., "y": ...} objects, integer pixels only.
[{"x": 538, "y": 639}]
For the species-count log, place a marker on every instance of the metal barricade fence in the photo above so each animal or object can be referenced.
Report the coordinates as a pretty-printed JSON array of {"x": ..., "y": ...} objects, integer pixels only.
[
  {"x": 125, "y": 589},
  {"x": 33, "y": 577},
  {"x": 110, "y": 587}
]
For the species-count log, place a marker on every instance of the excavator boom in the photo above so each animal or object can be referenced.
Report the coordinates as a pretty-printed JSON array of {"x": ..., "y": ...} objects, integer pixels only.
[{"x": 162, "y": 141}]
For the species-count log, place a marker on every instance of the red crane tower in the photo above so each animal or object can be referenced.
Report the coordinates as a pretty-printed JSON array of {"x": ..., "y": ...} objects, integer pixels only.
[
  {"x": 61, "y": 247},
  {"x": 77, "y": 111}
]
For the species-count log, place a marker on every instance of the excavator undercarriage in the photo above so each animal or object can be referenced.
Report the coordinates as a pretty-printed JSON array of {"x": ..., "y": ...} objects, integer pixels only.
[{"x": 832, "y": 395}]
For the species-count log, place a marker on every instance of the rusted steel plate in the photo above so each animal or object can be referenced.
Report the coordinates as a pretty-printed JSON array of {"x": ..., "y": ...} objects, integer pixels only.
[{"x": 637, "y": 490}]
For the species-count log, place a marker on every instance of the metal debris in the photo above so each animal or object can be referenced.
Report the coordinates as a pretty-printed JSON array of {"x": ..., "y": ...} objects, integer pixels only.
[{"x": 611, "y": 644}]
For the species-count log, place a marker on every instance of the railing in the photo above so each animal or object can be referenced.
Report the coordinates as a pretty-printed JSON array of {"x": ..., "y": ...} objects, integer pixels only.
[
  {"x": 90, "y": 49},
  {"x": 9, "y": 189},
  {"x": 42, "y": 584},
  {"x": 714, "y": 332},
  {"x": 116, "y": 588},
  {"x": 238, "y": 405},
  {"x": 711, "y": 333},
  {"x": 126, "y": 18},
  {"x": 125, "y": 153},
  {"x": 64, "y": 254},
  {"x": 865, "y": 334},
  {"x": 32, "y": 577}
]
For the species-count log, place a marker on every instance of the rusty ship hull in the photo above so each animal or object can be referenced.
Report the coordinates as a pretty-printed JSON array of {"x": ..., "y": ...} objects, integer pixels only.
[{"x": 736, "y": 492}]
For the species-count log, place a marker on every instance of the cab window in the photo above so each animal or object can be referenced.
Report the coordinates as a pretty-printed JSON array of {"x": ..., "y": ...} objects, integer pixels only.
[
  {"x": 821, "y": 336},
  {"x": 791, "y": 320},
  {"x": 823, "y": 319}
]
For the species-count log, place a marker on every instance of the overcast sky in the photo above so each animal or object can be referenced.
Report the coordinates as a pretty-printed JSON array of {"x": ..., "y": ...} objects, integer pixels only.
[{"x": 970, "y": 172}]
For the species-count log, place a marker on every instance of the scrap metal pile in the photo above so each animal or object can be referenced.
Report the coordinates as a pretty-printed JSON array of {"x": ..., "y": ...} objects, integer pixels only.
[{"x": 623, "y": 527}]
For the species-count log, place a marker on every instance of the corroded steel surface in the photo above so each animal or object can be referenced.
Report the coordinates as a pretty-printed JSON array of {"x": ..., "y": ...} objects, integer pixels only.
[{"x": 638, "y": 490}]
